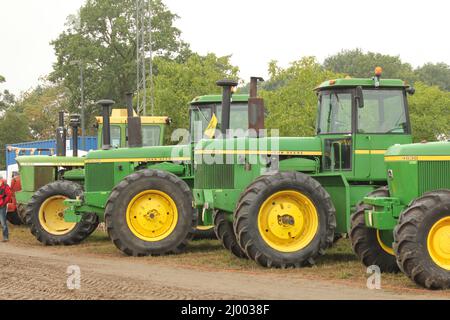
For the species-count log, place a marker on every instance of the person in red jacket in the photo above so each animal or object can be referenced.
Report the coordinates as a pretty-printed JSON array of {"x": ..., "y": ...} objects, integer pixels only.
[{"x": 5, "y": 197}]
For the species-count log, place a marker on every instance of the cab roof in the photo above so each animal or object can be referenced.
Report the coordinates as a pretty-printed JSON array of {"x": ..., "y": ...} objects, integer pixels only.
[
  {"x": 363, "y": 82},
  {"x": 120, "y": 116},
  {"x": 218, "y": 99}
]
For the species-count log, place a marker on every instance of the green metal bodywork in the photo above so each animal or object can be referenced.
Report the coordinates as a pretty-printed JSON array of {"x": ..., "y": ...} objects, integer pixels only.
[
  {"x": 220, "y": 183},
  {"x": 412, "y": 170}
]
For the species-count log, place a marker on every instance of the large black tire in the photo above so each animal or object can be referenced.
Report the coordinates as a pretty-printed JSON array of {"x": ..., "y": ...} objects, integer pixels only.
[
  {"x": 71, "y": 236},
  {"x": 22, "y": 213},
  {"x": 204, "y": 233},
  {"x": 225, "y": 233},
  {"x": 14, "y": 218},
  {"x": 248, "y": 211},
  {"x": 411, "y": 240},
  {"x": 175, "y": 239},
  {"x": 365, "y": 241}
]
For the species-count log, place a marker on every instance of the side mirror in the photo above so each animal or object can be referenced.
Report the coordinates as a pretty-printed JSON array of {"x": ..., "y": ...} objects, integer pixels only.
[
  {"x": 359, "y": 97},
  {"x": 411, "y": 90}
]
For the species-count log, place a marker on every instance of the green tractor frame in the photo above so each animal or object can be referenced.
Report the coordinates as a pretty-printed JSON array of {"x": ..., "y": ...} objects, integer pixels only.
[{"x": 412, "y": 213}]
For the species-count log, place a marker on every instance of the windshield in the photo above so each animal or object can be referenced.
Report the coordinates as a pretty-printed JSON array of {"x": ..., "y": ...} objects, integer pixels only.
[
  {"x": 335, "y": 112},
  {"x": 384, "y": 112},
  {"x": 201, "y": 116},
  {"x": 151, "y": 136}
]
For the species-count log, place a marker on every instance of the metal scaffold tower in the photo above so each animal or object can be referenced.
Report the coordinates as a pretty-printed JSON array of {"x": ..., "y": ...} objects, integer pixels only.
[{"x": 144, "y": 57}]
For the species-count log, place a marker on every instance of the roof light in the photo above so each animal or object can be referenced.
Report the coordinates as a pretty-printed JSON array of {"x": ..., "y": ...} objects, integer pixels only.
[{"x": 332, "y": 82}]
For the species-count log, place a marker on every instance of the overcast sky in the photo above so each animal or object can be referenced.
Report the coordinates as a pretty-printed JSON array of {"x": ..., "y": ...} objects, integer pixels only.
[{"x": 253, "y": 31}]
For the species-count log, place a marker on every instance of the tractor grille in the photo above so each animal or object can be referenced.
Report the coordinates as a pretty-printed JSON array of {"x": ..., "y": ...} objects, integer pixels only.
[
  {"x": 434, "y": 175},
  {"x": 216, "y": 176},
  {"x": 99, "y": 177}
]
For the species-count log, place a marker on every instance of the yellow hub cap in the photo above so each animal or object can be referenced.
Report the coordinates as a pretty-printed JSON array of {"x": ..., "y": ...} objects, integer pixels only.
[
  {"x": 152, "y": 215},
  {"x": 51, "y": 216},
  {"x": 439, "y": 243},
  {"x": 386, "y": 248},
  {"x": 288, "y": 221}
]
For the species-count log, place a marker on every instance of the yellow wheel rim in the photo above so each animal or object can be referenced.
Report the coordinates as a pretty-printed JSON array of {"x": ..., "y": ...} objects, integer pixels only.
[
  {"x": 205, "y": 228},
  {"x": 439, "y": 243},
  {"x": 288, "y": 221},
  {"x": 152, "y": 215},
  {"x": 386, "y": 248},
  {"x": 51, "y": 216}
]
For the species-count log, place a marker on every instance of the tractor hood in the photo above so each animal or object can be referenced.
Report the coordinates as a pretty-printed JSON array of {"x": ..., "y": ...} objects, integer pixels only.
[
  {"x": 420, "y": 149},
  {"x": 146, "y": 154},
  {"x": 50, "y": 161},
  {"x": 263, "y": 146}
]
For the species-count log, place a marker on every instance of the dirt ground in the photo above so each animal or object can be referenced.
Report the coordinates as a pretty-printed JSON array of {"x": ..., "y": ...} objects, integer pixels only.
[{"x": 32, "y": 271}]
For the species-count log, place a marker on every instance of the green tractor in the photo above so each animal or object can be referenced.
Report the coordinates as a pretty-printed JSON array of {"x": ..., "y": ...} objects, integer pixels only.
[
  {"x": 279, "y": 201},
  {"x": 282, "y": 201},
  {"x": 406, "y": 225},
  {"x": 105, "y": 169}
]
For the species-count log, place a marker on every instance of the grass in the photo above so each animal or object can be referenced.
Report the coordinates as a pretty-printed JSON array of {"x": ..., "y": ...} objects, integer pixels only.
[{"x": 339, "y": 264}]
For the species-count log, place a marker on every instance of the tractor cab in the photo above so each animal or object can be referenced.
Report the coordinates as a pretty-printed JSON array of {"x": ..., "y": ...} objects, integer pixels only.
[
  {"x": 153, "y": 129},
  {"x": 206, "y": 115},
  {"x": 358, "y": 120},
  {"x": 229, "y": 114}
]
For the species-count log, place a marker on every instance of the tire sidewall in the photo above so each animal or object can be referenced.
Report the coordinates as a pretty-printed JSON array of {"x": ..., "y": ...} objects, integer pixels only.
[
  {"x": 43, "y": 194},
  {"x": 184, "y": 207},
  {"x": 436, "y": 213},
  {"x": 318, "y": 239}
]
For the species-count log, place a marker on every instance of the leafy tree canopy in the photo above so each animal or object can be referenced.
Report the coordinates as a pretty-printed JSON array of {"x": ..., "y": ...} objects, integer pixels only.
[
  {"x": 101, "y": 39},
  {"x": 435, "y": 75},
  {"x": 358, "y": 64}
]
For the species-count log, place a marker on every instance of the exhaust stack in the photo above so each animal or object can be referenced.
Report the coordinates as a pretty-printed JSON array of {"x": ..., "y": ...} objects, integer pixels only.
[
  {"x": 256, "y": 111},
  {"x": 106, "y": 107},
  {"x": 75, "y": 122},
  {"x": 227, "y": 85},
  {"x": 61, "y": 135},
  {"x": 134, "y": 125}
]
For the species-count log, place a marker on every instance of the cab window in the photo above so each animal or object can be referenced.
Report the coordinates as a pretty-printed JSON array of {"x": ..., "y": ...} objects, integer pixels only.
[
  {"x": 383, "y": 112},
  {"x": 335, "y": 112},
  {"x": 151, "y": 136},
  {"x": 115, "y": 136}
]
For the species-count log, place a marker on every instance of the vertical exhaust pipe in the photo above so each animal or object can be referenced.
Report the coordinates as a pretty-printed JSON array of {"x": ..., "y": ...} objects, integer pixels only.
[
  {"x": 226, "y": 85},
  {"x": 106, "y": 107},
  {"x": 75, "y": 122},
  {"x": 256, "y": 111},
  {"x": 134, "y": 125},
  {"x": 61, "y": 135}
]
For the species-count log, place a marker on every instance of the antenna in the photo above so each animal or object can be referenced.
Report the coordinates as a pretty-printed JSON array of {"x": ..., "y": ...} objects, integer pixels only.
[{"x": 144, "y": 51}]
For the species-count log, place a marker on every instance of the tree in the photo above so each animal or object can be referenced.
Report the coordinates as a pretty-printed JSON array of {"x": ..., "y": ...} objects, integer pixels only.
[
  {"x": 13, "y": 129},
  {"x": 101, "y": 38},
  {"x": 176, "y": 84},
  {"x": 429, "y": 112},
  {"x": 7, "y": 99},
  {"x": 435, "y": 75},
  {"x": 40, "y": 108},
  {"x": 291, "y": 101},
  {"x": 358, "y": 64}
]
